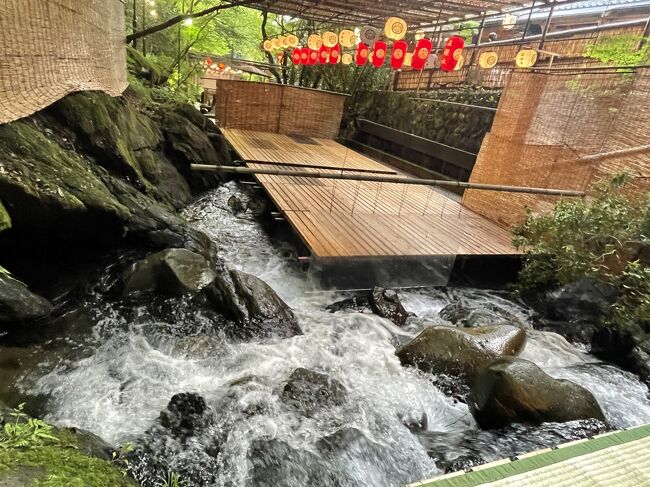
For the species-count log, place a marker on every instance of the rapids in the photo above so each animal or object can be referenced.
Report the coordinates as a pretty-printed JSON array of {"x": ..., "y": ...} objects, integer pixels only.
[{"x": 115, "y": 380}]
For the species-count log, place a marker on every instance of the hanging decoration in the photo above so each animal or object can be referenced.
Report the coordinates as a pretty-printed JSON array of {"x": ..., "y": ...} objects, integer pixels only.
[
  {"x": 347, "y": 38},
  {"x": 395, "y": 28},
  {"x": 347, "y": 58},
  {"x": 295, "y": 55},
  {"x": 488, "y": 60},
  {"x": 408, "y": 59},
  {"x": 313, "y": 57},
  {"x": 432, "y": 62},
  {"x": 452, "y": 53},
  {"x": 330, "y": 39},
  {"x": 362, "y": 54},
  {"x": 208, "y": 62},
  {"x": 459, "y": 63},
  {"x": 335, "y": 54},
  {"x": 275, "y": 43},
  {"x": 399, "y": 51},
  {"x": 369, "y": 35},
  {"x": 304, "y": 56},
  {"x": 323, "y": 54},
  {"x": 292, "y": 40},
  {"x": 314, "y": 42},
  {"x": 526, "y": 58},
  {"x": 379, "y": 54},
  {"x": 509, "y": 21},
  {"x": 267, "y": 45},
  {"x": 283, "y": 42},
  {"x": 421, "y": 53}
]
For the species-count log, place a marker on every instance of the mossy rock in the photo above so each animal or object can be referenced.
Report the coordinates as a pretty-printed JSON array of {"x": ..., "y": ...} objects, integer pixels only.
[
  {"x": 5, "y": 219},
  {"x": 143, "y": 68}
]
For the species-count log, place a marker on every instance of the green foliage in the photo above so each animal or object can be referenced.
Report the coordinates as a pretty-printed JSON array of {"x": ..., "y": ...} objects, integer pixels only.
[
  {"x": 619, "y": 50},
  {"x": 24, "y": 431},
  {"x": 602, "y": 237},
  {"x": 172, "y": 480},
  {"x": 467, "y": 29}
]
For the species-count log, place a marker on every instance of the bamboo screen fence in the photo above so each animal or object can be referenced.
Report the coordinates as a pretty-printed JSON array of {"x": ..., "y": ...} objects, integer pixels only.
[
  {"x": 49, "y": 48},
  {"x": 571, "y": 53},
  {"x": 282, "y": 109},
  {"x": 563, "y": 129}
]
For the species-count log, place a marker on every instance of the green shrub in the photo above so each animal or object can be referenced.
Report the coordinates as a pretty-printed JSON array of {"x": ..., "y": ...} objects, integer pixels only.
[{"x": 603, "y": 236}]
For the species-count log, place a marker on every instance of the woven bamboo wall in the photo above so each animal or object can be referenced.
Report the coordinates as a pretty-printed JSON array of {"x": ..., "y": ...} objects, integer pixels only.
[
  {"x": 571, "y": 51},
  {"x": 547, "y": 122},
  {"x": 50, "y": 48},
  {"x": 278, "y": 108}
]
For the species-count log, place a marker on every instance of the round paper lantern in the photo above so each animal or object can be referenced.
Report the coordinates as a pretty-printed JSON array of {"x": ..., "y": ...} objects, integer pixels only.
[
  {"x": 408, "y": 59},
  {"x": 459, "y": 63},
  {"x": 379, "y": 54},
  {"x": 421, "y": 53},
  {"x": 267, "y": 45},
  {"x": 452, "y": 53},
  {"x": 335, "y": 54},
  {"x": 275, "y": 42},
  {"x": 208, "y": 62},
  {"x": 362, "y": 54},
  {"x": 347, "y": 58},
  {"x": 283, "y": 41},
  {"x": 292, "y": 40},
  {"x": 295, "y": 55},
  {"x": 432, "y": 61},
  {"x": 395, "y": 28},
  {"x": 488, "y": 59},
  {"x": 314, "y": 42},
  {"x": 526, "y": 58},
  {"x": 399, "y": 52},
  {"x": 313, "y": 57},
  {"x": 369, "y": 35},
  {"x": 304, "y": 55},
  {"x": 323, "y": 54},
  {"x": 330, "y": 39},
  {"x": 347, "y": 38},
  {"x": 509, "y": 21}
]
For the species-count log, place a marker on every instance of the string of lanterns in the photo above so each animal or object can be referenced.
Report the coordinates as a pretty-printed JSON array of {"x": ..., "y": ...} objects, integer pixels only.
[{"x": 367, "y": 46}]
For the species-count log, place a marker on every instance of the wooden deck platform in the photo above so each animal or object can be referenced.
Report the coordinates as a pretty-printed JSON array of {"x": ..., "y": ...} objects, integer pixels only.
[{"x": 358, "y": 219}]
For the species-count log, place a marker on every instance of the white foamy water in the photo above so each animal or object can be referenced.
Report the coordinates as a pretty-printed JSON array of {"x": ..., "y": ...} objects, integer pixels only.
[{"x": 118, "y": 390}]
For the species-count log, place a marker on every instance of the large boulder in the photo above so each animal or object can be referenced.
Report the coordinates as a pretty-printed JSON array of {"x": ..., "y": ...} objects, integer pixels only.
[
  {"x": 186, "y": 414},
  {"x": 18, "y": 304},
  {"x": 5, "y": 219},
  {"x": 470, "y": 314},
  {"x": 584, "y": 300},
  {"x": 461, "y": 351},
  {"x": 512, "y": 390},
  {"x": 256, "y": 308},
  {"x": 309, "y": 391},
  {"x": 171, "y": 272},
  {"x": 386, "y": 303}
]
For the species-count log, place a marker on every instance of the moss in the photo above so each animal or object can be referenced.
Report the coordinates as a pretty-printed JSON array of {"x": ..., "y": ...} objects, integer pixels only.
[
  {"x": 5, "y": 219},
  {"x": 143, "y": 68}
]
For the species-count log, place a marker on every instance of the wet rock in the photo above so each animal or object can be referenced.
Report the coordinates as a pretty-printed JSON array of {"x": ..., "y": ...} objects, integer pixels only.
[
  {"x": 386, "y": 304},
  {"x": 18, "y": 304},
  {"x": 186, "y": 414},
  {"x": 462, "y": 352},
  {"x": 274, "y": 463},
  {"x": 462, "y": 462},
  {"x": 512, "y": 390},
  {"x": 237, "y": 204},
  {"x": 359, "y": 303},
  {"x": 639, "y": 359},
  {"x": 470, "y": 315},
  {"x": 143, "y": 68},
  {"x": 586, "y": 300},
  {"x": 308, "y": 391},
  {"x": 171, "y": 272},
  {"x": 258, "y": 311},
  {"x": 415, "y": 423},
  {"x": 92, "y": 445}
]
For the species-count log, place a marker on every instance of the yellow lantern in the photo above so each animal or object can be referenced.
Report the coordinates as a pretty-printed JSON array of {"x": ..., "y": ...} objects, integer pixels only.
[
  {"x": 459, "y": 62},
  {"x": 314, "y": 42},
  {"x": 283, "y": 41},
  {"x": 488, "y": 60},
  {"x": 276, "y": 43},
  {"x": 526, "y": 58},
  {"x": 292, "y": 40},
  {"x": 408, "y": 58},
  {"x": 267, "y": 45},
  {"x": 395, "y": 28},
  {"x": 347, "y": 38},
  {"x": 330, "y": 39},
  {"x": 346, "y": 58}
]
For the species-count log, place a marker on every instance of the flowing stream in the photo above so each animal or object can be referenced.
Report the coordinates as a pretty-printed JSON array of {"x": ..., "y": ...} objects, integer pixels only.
[{"x": 115, "y": 380}]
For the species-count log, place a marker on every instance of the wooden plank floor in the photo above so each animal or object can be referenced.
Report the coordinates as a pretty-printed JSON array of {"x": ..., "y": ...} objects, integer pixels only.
[{"x": 354, "y": 219}]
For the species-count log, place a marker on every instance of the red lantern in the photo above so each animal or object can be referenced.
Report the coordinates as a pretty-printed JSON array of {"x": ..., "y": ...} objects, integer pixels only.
[
  {"x": 451, "y": 54},
  {"x": 304, "y": 55},
  {"x": 323, "y": 54},
  {"x": 421, "y": 53},
  {"x": 208, "y": 61},
  {"x": 313, "y": 57},
  {"x": 335, "y": 54},
  {"x": 362, "y": 54},
  {"x": 295, "y": 55},
  {"x": 399, "y": 51},
  {"x": 379, "y": 54}
]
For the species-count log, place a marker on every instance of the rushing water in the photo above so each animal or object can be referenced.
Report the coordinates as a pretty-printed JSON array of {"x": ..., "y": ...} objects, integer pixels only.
[{"x": 116, "y": 380}]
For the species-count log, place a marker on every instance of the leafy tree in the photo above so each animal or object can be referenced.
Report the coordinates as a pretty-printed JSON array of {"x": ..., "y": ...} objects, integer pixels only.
[{"x": 620, "y": 50}]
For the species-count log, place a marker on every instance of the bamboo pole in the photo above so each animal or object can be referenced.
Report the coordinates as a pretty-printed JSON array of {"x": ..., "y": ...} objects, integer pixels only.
[{"x": 385, "y": 179}]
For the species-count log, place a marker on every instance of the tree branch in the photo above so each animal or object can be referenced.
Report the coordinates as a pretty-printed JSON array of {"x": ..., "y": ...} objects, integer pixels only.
[
  {"x": 179, "y": 18},
  {"x": 269, "y": 56}
]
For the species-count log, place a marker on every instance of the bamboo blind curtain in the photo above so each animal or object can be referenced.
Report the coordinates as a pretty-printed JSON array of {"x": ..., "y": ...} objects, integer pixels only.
[{"x": 49, "y": 48}]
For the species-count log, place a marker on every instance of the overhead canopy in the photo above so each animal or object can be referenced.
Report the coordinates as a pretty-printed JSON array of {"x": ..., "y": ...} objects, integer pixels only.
[{"x": 375, "y": 12}]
